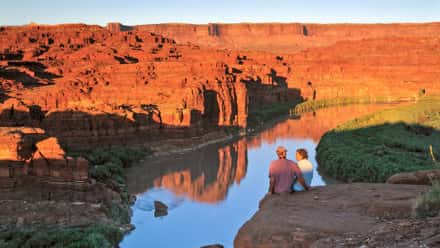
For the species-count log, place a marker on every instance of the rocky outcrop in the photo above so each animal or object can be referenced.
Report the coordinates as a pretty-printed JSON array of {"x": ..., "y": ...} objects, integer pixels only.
[
  {"x": 348, "y": 214},
  {"x": 425, "y": 177},
  {"x": 50, "y": 160},
  {"x": 28, "y": 153}
]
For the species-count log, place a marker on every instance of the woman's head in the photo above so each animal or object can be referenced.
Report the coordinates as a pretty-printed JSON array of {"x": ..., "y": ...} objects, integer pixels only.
[{"x": 301, "y": 154}]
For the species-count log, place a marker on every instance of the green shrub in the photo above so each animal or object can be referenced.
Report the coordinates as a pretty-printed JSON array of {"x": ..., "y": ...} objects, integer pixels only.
[
  {"x": 374, "y": 147},
  {"x": 95, "y": 236},
  {"x": 428, "y": 205},
  {"x": 109, "y": 164}
]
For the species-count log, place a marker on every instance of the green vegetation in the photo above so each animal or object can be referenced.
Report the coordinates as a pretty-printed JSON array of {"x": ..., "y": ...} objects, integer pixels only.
[
  {"x": 313, "y": 105},
  {"x": 378, "y": 145},
  {"x": 98, "y": 236},
  {"x": 107, "y": 166},
  {"x": 428, "y": 205}
]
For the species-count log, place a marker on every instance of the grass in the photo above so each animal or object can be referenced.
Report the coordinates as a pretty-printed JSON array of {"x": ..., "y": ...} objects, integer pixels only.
[
  {"x": 313, "y": 105},
  {"x": 376, "y": 146},
  {"x": 428, "y": 205},
  {"x": 97, "y": 236}
]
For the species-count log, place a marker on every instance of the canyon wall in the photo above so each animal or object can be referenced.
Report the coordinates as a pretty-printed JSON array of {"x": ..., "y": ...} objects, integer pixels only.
[
  {"x": 88, "y": 85},
  {"x": 333, "y": 60},
  {"x": 285, "y": 37}
]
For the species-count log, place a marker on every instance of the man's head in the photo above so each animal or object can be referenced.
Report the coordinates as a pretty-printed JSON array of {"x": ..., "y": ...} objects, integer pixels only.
[{"x": 281, "y": 152}]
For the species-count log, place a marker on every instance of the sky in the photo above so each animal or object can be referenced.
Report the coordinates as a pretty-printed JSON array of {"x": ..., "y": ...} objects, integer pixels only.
[{"x": 131, "y": 12}]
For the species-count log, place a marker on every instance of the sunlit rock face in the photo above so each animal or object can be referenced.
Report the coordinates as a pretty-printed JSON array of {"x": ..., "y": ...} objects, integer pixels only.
[
  {"x": 89, "y": 68},
  {"x": 284, "y": 37},
  {"x": 89, "y": 85},
  {"x": 77, "y": 81},
  {"x": 337, "y": 60}
]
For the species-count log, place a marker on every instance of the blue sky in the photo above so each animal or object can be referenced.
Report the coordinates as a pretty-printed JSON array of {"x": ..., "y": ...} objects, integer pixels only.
[{"x": 17, "y": 12}]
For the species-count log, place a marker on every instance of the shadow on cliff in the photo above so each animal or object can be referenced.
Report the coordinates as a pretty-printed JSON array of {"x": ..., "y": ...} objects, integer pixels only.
[
  {"x": 29, "y": 74},
  {"x": 77, "y": 130},
  {"x": 374, "y": 153},
  {"x": 3, "y": 96},
  {"x": 268, "y": 101},
  {"x": 276, "y": 79}
]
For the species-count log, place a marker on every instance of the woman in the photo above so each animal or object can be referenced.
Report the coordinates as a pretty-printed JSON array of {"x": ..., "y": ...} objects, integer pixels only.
[{"x": 306, "y": 168}]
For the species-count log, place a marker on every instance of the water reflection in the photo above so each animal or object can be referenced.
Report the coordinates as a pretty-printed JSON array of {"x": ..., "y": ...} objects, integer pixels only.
[
  {"x": 211, "y": 192},
  {"x": 203, "y": 176}
]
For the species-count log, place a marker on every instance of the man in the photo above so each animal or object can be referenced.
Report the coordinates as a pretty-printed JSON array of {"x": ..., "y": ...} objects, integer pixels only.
[{"x": 282, "y": 174}]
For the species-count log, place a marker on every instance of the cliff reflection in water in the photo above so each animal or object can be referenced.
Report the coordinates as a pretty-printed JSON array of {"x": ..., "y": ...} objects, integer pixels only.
[
  {"x": 206, "y": 175},
  {"x": 208, "y": 181},
  {"x": 203, "y": 176}
]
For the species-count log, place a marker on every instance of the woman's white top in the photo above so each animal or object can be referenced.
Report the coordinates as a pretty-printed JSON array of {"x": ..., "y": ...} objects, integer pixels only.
[
  {"x": 307, "y": 170},
  {"x": 305, "y": 165}
]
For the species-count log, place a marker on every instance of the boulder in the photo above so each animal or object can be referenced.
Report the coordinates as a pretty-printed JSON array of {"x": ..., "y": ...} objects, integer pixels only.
[
  {"x": 425, "y": 177},
  {"x": 160, "y": 209}
]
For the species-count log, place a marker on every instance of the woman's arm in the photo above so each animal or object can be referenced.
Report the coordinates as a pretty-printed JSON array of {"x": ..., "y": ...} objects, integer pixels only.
[{"x": 303, "y": 182}]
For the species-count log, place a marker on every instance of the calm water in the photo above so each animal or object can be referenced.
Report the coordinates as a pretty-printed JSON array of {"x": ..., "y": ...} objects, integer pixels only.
[{"x": 212, "y": 192}]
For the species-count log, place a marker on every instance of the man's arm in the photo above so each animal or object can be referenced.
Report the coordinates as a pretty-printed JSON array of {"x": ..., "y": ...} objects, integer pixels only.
[{"x": 272, "y": 185}]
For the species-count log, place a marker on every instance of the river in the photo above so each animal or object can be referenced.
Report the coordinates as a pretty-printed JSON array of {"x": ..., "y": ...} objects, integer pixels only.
[{"x": 213, "y": 191}]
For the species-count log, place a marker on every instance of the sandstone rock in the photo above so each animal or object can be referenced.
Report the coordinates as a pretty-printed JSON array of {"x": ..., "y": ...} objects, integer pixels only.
[
  {"x": 97, "y": 79},
  {"x": 16, "y": 142},
  {"x": 425, "y": 177},
  {"x": 160, "y": 206},
  {"x": 283, "y": 38},
  {"x": 160, "y": 209},
  {"x": 50, "y": 149},
  {"x": 343, "y": 212}
]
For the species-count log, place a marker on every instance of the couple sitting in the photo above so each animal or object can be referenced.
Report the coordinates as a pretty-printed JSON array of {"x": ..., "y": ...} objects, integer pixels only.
[{"x": 286, "y": 176}]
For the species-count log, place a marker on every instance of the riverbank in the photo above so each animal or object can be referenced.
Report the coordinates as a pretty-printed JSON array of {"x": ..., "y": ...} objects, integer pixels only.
[
  {"x": 341, "y": 215},
  {"x": 374, "y": 147},
  {"x": 313, "y": 105}
]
